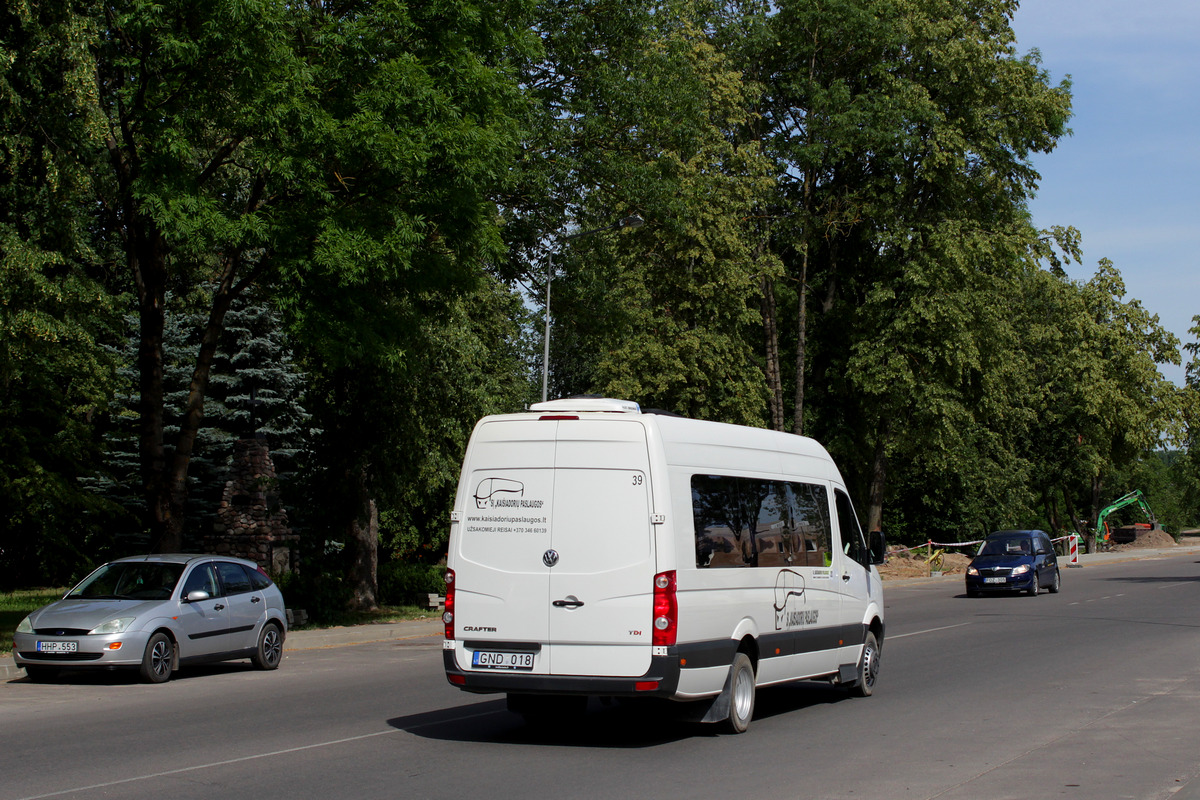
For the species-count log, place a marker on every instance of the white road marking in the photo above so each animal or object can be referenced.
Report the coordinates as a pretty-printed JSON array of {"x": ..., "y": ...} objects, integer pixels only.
[
  {"x": 183, "y": 770},
  {"x": 929, "y": 630},
  {"x": 289, "y": 750}
]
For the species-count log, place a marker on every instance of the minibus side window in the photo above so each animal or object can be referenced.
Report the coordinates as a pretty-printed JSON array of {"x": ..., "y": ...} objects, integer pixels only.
[
  {"x": 852, "y": 539},
  {"x": 771, "y": 536},
  {"x": 810, "y": 515},
  {"x": 749, "y": 522},
  {"x": 720, "y": 523}
]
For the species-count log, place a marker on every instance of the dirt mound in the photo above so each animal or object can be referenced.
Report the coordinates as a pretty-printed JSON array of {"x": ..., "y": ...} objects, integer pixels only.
[
  {"x": 911, "y": 564},
  {"x": 1158, "y": 538}
]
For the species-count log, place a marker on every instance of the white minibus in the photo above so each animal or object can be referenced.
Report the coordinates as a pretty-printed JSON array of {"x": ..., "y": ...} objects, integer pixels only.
[{"x": 600, "y": 550}]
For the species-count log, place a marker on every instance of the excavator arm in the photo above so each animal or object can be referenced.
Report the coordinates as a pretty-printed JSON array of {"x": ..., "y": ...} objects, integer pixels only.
[{"x": 1133, "y": 498}]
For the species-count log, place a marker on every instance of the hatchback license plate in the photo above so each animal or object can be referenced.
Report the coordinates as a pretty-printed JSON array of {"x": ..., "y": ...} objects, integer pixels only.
[
  {"x": 491, "y": 659},
  {"x": 995, "y": 580},
  {"x": 57, "y": 647}
]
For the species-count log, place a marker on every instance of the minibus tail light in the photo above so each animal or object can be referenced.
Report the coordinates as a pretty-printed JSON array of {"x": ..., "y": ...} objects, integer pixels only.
[
  {"x": 558, "y": 416},
  {"x": 666, "y": 610},
  {"x": 448, "y": 613}
]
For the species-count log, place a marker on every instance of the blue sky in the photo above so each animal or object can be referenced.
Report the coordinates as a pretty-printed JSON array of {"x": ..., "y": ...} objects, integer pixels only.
[{"x": 1129, "y": 177}]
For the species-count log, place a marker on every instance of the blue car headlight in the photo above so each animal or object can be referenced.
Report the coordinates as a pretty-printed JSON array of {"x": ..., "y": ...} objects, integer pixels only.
[
  {"x": 972, "y": 571},
  {"x": 1021, "y": 570},
  {"x": 118, "y": 625}
]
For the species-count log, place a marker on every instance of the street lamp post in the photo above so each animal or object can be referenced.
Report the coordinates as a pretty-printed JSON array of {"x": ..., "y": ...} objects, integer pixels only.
[{"x": 632, "y": 221}]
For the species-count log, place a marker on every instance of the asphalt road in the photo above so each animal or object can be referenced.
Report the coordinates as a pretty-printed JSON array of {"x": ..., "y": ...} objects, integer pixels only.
[{"x": 1090, "y": 693}]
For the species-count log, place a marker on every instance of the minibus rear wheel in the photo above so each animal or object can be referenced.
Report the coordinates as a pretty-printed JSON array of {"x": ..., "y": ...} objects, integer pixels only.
[{"x": 741, "y": 693}]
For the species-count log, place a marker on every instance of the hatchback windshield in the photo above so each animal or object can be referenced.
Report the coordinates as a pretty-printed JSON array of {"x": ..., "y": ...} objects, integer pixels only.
[
  {"x": 131, "y": 581},
  {"x": 1002, "y": 547}
]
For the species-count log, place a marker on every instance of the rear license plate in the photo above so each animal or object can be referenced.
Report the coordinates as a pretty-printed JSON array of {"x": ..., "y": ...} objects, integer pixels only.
[
  {"x": 57, "y": 647},
  {"x": 995, "y": 580},
  {"x": 491, "y": 659}
]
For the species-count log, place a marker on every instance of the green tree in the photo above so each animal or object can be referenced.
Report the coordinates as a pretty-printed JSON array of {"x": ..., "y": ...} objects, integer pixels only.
[
  {"x": 398, "y": 383},
  {"x": 907, "y": 130},
  {"x": 1098, "y": 398},
  {"x": 255, "y": 389},
  {"x": 54, "y": 378},
  {"x": 55, "y": 316},
  {"x": 273, "y": 144},
  {"x": 643, "y": 116},
  {"x": 1189, "y": 467}
]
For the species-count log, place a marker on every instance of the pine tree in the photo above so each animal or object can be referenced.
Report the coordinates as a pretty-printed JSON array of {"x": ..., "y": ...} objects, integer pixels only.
[{"x": 255, "y": 390}]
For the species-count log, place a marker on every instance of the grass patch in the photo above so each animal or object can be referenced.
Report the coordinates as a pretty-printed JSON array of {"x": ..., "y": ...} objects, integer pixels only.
[
  {"x": 381, "y": 615},
  {"x": 15, "y": 605}
]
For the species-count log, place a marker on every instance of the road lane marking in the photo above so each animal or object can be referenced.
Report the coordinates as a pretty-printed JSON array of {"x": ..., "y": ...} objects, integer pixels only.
[
  {"x": 928, "y": 630},
  {"x": 287, "y": 751},
  {"x": 183, "y": 770}
]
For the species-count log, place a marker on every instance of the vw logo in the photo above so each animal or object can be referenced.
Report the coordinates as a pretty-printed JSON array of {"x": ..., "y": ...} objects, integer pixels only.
[{"x": 550, "y": 558}]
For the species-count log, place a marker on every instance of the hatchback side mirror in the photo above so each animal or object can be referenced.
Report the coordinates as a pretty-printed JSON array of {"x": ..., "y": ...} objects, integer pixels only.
[
  {"x": 878, "y": 547},
  {"x": 196, "y": 596}
]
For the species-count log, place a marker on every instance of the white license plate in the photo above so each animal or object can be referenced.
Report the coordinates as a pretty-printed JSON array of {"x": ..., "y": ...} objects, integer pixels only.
[
  {"x": 57, "y": 647},
  {"x": 995, "y": 580},
  {"x": 491, "y": 659}
]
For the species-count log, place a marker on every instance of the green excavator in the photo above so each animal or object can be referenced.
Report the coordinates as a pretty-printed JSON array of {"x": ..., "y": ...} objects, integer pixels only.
[{"x": 1133, "y": 498}]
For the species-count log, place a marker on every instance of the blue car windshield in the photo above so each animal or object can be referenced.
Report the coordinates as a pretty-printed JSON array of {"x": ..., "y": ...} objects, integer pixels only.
[
  {"x": 1007, "y": 547},
  {"x": 130, "y": 581}
]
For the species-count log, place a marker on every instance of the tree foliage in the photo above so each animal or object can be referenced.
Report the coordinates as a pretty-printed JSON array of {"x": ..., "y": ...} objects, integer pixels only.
[
  {"x": 836, "y": 242},
  {"x": 55, "y": 315}
]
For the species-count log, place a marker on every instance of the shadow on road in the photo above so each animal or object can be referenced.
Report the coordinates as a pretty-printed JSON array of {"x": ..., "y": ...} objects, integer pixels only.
[
  {"x": 628, "y": 723},
  {"x": 1153, "y": 578},
  {"x": 128, "y": 676}
]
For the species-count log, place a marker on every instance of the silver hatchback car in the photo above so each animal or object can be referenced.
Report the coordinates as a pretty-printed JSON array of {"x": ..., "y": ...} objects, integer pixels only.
[{"x": 153, "y": 613}]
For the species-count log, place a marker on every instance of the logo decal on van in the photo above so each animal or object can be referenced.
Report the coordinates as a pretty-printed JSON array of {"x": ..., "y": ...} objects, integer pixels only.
[
  {"x": 489, "y": 487},
  {"x": 789, "y": 595}
]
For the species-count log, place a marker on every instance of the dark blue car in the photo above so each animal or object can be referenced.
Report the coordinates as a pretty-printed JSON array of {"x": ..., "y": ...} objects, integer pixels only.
[{"x": 1014, "y": 561}]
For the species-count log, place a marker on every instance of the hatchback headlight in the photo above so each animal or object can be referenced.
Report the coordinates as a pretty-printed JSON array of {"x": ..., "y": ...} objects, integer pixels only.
[
  {"x": 25, "y": 626},
  {"x": 972, "y": 571},
  {"x": 117, "y": 625},
  {"x": 1021, "y": 570}
]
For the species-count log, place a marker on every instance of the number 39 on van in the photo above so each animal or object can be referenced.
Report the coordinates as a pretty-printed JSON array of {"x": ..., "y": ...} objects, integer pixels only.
[{"x": 689, "y": 560}]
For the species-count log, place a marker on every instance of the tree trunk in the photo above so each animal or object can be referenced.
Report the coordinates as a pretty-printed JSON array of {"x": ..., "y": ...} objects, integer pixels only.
[
  {"x": 1050, "y": 504},
  {"x": 147, "y": 260},
  {"x": 1094, "y": 515},
  {"x": 774, "y": 379},
  {"x": 878, "y": 482},
  {"x": 193, "y": 415},
  {"x": 1089, "y": 536},
  {"x": 801, "y": 345},
  {"x": 362, "y": 537}
]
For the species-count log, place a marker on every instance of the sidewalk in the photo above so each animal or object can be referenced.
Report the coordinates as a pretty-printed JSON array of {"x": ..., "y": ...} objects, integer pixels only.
[{"x": 414, "y": 629}]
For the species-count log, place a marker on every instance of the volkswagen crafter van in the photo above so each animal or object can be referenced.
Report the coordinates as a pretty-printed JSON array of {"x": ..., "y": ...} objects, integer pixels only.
[{"x": 597, "y": 550}]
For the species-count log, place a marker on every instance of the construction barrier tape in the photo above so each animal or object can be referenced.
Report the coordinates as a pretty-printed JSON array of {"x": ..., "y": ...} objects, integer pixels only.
[{"x": 954, "y": 544}]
